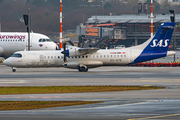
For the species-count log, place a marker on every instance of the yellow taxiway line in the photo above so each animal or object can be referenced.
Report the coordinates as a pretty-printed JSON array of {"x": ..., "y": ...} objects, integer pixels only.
[{"x": 153, "y": 117}]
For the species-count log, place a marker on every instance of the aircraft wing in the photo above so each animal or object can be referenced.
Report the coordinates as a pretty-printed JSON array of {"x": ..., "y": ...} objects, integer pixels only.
[
  {"x": 82, "y": 51},
  {"x": 88, "y": 50}
]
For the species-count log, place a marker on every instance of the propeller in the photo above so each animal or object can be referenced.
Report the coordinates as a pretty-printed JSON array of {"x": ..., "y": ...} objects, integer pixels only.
[{"x": 64, "y": 52}]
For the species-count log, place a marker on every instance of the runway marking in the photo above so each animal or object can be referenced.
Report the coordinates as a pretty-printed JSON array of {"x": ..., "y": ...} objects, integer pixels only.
[
  {"x": 171, "y": 115},
  {"x": 151, "y": 81},
  {"x": 90, "y": 108},
  {"x": 11, "y": 81}
]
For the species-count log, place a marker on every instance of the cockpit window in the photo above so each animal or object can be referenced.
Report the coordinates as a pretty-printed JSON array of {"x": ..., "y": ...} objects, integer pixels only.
[
  {"x": 40, "y": 40},
  {"x": 17, "y": 55},
  {"x": 45, "y": 40},
  {"x": 48, "y": 40}
]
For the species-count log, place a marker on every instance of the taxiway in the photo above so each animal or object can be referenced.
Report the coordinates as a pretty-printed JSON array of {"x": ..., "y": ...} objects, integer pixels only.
[{"x": 145, "y": 104}]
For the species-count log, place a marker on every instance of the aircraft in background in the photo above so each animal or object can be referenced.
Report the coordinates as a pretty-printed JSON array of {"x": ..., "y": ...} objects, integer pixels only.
[
  {"x": 11, "y": 42},
  {"x": 85, "y": 58}
]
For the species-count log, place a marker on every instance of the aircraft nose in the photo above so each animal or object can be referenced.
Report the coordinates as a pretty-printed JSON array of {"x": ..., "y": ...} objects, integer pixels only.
[{"x": 5, "y": 62}]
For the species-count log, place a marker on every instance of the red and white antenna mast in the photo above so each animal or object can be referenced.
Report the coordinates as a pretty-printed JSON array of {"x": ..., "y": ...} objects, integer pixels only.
[
  {"x": 60, "y": 37},
  {"x": 152, "y": 16}
]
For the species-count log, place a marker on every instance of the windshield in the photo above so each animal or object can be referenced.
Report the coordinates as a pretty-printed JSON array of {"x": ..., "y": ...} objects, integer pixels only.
[
  {"x": 17, "y": 55},
  {"x": 45, "y": 40}
]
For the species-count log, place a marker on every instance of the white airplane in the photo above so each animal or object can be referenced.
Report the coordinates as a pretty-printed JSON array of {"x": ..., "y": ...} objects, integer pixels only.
[
  {"x": 84, "y": 58},
  {"x": 11, "y": 42}
]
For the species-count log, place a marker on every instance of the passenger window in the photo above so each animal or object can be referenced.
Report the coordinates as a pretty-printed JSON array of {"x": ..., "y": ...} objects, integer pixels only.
[
  {"x": 100, "y": 56},
  {"x": 48, "y": 57},
  {"x": 75, "y": 56},
  {"x": 121, "y": 55},
  {"x": 124, "y": 55},
  {"x": 111, "y": 56},
  {"x": 104, "y": 56},
  {"x": 44, "y": 57},
  {"x": 118, "y": 56},
  {"x": 54, "y": 57},
  {"x": 82, "y": 56},
  {"x": 107, "y": 56},
  {"x": 97, "y": 56},
  {"x": 79, "y": 56},
  {"x": 114, "y": 56},
  {"x": 86, "y": 56}
]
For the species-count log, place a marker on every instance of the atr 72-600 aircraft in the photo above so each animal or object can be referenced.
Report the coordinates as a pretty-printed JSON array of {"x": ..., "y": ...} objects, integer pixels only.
[
  {"x": 84, "y": 58},
  {"x": 11, "y": 42}
]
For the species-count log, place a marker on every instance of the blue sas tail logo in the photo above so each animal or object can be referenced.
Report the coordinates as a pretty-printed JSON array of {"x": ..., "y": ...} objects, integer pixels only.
[
  {"x": 158, "y": 46},
  {"x": 160, "y": 43}
]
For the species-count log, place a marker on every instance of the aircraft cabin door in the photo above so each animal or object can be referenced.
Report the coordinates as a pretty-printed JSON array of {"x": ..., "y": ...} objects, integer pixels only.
[{"x": 131, "y": 56}]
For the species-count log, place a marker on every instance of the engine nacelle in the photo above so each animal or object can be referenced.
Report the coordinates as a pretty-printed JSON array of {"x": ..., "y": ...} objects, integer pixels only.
[
  {"x": 1, "y": 51},
  {"x": 80, "y": 51},
  {"x": 74, "y": 52}
]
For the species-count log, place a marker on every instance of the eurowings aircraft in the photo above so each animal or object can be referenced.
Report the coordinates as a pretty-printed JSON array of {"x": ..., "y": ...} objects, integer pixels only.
[
  {"x": 85, "y": 58},
  {"x": 11, "y": 42}
]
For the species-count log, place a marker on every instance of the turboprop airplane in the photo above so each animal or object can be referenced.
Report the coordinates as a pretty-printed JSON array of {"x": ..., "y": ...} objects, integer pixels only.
[
  {"x": 11, "y": 42},
  {"x": 85, "y": 58}
]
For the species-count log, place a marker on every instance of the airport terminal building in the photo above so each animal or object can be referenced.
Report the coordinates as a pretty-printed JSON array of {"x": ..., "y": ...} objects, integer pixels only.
[{"x": 128, "y": 30}]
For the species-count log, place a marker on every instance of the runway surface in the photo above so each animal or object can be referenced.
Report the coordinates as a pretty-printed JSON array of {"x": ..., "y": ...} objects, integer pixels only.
[{"x": 140, "y": 105}]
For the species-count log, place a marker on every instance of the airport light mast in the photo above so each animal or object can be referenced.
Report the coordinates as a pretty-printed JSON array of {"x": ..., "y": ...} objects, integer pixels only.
[
  {"x": 27, "y": 21},
  {"x": 60, "y": 37},
  {"x": 152, "y": 16},
  {"x": 173, "y": 20}
]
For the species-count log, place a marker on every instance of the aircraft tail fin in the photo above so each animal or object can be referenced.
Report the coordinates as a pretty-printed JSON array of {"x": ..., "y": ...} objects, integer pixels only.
[{"x": 157, "y": 46}]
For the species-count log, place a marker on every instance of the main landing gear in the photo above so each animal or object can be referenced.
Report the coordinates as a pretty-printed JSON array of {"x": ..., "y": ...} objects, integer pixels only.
[
  {"x": 83, "y": 69},
  {"x": 13, "y": 70}
]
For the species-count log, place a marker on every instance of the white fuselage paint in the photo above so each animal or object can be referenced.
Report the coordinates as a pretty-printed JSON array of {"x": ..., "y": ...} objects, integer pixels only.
[
  {"x": 11, "y": 42},
  {"x": 107, "y": 57}
]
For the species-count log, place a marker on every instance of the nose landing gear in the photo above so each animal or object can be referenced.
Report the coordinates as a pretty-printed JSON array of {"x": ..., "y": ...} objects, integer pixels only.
[{"x": 13, "y": 70}]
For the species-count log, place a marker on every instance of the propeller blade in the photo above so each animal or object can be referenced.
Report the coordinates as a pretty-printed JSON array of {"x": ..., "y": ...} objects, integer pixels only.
[{"x": 64, "y": 52}]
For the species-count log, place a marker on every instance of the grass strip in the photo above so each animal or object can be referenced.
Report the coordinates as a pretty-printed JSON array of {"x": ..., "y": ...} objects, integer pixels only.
[
  {"x": 70, "y": 89},
  {"x": 29, "y": 105}
]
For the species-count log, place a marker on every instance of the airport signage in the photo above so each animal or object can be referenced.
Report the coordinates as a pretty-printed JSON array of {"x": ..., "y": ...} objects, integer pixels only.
[{"x": 92, "y": 32}]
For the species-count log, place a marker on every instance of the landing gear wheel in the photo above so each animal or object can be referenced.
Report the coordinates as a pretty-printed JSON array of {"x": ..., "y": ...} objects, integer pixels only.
[
  {"x": 82, "y": 69},
  {"x": 14, "y": 70},
  {"x": 86, "y": 69}
]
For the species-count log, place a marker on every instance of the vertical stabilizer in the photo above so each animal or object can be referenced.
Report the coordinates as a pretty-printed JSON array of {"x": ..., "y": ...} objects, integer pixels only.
[{"x": 157, "y": 46}]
